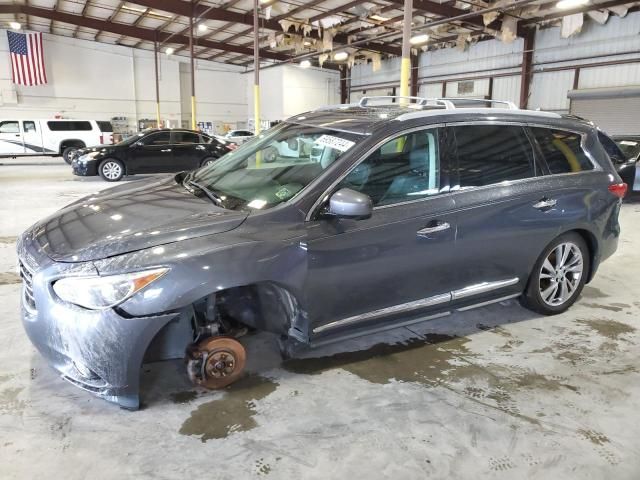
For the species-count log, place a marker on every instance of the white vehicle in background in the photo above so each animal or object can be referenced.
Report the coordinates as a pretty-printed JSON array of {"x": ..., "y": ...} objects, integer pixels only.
[
  {"x": 238, "y": 136},
  {"x": 54, "y": 137}
]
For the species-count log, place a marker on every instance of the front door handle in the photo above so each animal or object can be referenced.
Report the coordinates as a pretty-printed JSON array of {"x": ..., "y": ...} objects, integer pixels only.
[
  {"x": 433, "y": 228},
  {"x": 166, "y": 150},
  {"x": 545, "y": 204}
]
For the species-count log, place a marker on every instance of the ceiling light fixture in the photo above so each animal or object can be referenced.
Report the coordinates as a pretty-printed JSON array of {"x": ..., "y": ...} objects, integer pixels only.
[
  {"x": 170, "y": 50},
  {"x": 305, "y": 64},
  {"x": 567, "y": 4},
  {"x": 340, "y": 56},
  {"x": 418, "y": 39},
  {"x": 202, "y": 27},
  {"x": 15, "y": 25}
]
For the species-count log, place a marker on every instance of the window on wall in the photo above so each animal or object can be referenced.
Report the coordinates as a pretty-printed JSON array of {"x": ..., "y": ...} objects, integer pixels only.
[
  {"x": 562, "y": 150},
  {"x": 490, "y": 154},
  {"x": 405, "y": 168}
]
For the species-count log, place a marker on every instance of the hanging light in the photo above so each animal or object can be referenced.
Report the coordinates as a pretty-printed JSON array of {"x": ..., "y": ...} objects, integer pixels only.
[
  {"x": 169, "y": 51},
  {"x": 15, "y": 25},
  {"x": 305, "y": 64},
  {"x": 419, "y": 39},
  {"x": 567, "y": 4},
  {"x": 202, "y": 27},
  {"x": 340, "y": 56}
]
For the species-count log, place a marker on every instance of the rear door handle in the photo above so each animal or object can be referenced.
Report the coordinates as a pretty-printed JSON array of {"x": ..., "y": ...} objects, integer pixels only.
[
  {"x": 166, "y": 150},
  {"x": 545, "y": 204},
  {"x": 433, "y": 228}
]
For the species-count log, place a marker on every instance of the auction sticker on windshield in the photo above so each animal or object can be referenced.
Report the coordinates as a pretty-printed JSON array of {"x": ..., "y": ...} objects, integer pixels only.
[{"x": 336, "y": 143}]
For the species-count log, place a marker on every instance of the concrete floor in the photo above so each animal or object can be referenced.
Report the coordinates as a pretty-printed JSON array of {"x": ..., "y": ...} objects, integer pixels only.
[{"x": 493, "y": 393}]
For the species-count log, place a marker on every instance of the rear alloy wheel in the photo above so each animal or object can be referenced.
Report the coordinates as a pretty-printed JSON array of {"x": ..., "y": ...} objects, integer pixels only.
[
  {"x": 216, "y": 362},
  {"x": 207, "y": 161},
  {"x": 559, "y": 276},
  {"x": 68, "y": 153},
  {"x": 111, "y": 170}
]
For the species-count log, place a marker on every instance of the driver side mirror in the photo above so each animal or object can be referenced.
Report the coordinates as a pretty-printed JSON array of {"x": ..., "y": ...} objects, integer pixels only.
[{"x": 347, "y": 203}]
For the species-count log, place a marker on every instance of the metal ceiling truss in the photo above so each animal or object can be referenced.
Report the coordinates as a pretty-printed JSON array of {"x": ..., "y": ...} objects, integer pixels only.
[{"x": 212, "y": 47}]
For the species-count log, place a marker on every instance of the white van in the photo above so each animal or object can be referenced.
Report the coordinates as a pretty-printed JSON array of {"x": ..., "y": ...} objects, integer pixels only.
[{"x": 51, "y": 137}]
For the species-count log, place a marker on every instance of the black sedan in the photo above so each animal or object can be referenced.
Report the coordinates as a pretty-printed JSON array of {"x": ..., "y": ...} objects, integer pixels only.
[{"x": 152, "y": 151}]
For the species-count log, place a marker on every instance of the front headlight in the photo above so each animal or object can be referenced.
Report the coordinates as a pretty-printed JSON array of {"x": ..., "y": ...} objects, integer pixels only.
[{"x": 98, "y": 293}]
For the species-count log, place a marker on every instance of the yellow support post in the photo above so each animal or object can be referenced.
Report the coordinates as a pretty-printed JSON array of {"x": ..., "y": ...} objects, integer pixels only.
[{"x": 405, "y": 76}]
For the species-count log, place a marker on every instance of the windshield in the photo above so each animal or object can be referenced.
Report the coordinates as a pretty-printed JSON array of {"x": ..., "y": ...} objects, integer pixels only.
[
  {"x": 273, "y": 167},
  {"x": 630, "y": 147}
]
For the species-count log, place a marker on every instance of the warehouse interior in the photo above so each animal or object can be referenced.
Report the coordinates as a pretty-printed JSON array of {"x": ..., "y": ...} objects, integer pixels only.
[{"x": 495, "y": 392}]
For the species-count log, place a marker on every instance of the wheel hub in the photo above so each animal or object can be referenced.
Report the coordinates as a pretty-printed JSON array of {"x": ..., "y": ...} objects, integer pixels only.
[{"x": 215, "y": 362}]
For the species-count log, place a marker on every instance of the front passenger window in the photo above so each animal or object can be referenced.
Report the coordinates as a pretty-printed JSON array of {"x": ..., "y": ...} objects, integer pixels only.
[{"x": 405, "y": 168}]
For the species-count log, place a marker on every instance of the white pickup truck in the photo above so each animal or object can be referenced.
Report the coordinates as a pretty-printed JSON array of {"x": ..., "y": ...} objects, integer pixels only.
[{"x": 53, "y": 137}]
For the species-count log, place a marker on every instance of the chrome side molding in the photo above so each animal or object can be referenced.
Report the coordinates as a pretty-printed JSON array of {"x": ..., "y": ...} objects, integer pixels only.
[
  {"x": 469, "y": 291},
  {"x": 483, "y": 287},
  {"x": 403, "y": 307}
]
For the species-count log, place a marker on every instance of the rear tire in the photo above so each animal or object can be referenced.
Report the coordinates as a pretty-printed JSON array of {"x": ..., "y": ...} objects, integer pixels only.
[
  {"x": 67, "y": 152},
  {"x": 558, "y": 275},
  {"x": 111, "y": 170}
]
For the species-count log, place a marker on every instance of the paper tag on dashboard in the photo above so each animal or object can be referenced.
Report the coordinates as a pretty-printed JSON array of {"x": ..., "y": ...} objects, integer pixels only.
[{"x": 336, "y": 143}]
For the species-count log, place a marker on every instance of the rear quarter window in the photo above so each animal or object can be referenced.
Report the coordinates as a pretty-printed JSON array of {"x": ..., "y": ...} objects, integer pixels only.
[
  {"x": 562, "y": 150},
  {"x": 105, "y": 126},
  {"x": 69, "y": 126}
]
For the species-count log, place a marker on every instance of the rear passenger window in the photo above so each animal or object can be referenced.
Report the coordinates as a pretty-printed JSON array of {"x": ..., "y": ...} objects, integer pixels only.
[
  {"x": 403, "y": 169},
  {"x": 184, "y": 138},
  {"x": 29, "y": 126},
  {"x": 490, "y": 154},
  {"x": 562, "y": 150}
]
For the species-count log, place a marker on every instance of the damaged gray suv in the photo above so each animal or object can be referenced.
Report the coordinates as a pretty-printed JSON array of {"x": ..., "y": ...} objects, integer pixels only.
[{"x": 337, "y": 222}]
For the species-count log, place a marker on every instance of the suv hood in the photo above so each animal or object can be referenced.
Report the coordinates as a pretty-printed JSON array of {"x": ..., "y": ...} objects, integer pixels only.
[{"x": 128, "y": 218}]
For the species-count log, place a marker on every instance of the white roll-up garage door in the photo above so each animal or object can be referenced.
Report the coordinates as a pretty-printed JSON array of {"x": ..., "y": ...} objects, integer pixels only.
[{"x": 614, "y": 110}]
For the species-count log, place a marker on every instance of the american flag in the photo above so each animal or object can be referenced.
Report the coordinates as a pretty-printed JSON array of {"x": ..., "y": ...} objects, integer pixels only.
[{"x": 27, "y": 58}]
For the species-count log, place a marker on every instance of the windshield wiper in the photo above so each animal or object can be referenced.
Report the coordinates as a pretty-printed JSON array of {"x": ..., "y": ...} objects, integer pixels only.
[{"x": 211, "y": 195}]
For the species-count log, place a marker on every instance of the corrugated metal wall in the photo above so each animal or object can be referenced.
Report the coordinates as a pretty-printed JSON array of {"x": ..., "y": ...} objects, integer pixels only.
[{"x": 555, "y": 61}]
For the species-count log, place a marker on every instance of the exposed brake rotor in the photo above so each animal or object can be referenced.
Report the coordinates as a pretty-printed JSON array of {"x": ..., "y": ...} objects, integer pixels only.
[{"x": 215, "y": 362}]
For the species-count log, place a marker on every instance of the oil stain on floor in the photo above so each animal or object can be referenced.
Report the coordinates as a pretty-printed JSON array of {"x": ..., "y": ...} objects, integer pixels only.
[
  {"x": 233, "y": 412},
  {"x": 608, "y": 328},
  {"x": 8, "y": 240}
]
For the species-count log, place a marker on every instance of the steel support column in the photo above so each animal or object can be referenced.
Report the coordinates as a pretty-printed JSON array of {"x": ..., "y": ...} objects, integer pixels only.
[
  {"x": 344, "y": 86},
  {"x": 405, "y": 67},
  {"x": 193, "y": 73},
  {"x": 414, "y": 75},
  {"x": 155, "y": 61},
  {"x": 256, "y": 68},
  {"x": 527, "y": 67}
]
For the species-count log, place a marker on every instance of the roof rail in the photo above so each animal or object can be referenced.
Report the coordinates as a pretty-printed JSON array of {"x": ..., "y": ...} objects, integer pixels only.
[
  {"x": 420, "y": 101},
  {"x": 510, "y": 105}
]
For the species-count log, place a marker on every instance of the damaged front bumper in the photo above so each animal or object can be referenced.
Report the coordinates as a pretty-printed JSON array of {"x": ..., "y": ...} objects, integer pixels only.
[{"x": 100, "y": 351}]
